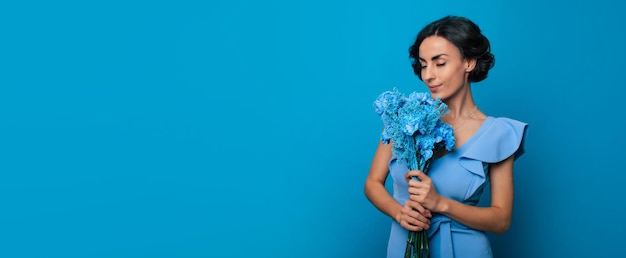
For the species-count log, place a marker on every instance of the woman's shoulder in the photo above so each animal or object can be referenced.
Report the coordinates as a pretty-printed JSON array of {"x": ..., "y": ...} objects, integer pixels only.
[
  {"x": 501, "y": 138},
  {"x": 516, "y": 124}
]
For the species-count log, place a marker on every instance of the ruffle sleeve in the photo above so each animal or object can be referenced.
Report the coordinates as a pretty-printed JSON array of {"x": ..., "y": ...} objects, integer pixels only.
[{"x": 501, "y": 139}]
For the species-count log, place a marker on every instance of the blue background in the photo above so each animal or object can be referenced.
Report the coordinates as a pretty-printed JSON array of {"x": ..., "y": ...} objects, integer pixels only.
[{"x": 246, "y": 128}]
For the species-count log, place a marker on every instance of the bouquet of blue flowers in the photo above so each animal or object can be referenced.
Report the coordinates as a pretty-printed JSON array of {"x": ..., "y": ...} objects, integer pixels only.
[{"x": 414, "y": 127}]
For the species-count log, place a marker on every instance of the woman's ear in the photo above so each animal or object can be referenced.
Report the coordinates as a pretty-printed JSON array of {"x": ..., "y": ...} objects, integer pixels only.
[{"x": 470, "y": 64}]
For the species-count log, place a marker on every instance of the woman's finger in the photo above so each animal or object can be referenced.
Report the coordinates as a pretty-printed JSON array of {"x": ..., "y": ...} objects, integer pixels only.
[
  {"x": 414, "y": 224},
  {"x": 420, "y": 213},
  {"x": 422, "y": 176},
  {"x": 409, "y": 227},
  {"x": 412, "y": 173}
]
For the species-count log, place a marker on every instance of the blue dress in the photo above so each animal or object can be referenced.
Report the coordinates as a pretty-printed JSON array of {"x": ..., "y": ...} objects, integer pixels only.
[{"x": 460, "y": 175}]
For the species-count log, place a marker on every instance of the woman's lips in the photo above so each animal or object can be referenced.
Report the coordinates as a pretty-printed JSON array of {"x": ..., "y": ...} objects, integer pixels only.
[{"x": 434, "y": 88}]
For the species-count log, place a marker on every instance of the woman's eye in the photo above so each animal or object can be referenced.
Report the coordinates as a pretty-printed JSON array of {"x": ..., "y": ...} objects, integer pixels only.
[
  {"x": 422, "y": 67},
  {"x": 441, "y": 64}
]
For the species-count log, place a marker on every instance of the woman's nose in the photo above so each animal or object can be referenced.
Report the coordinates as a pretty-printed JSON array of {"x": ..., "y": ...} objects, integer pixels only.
[{"x": 427, "y": 74}]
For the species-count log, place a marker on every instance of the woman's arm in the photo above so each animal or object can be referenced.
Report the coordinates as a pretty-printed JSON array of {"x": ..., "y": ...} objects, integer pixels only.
[
  {"x": 496, "y": 218},
  {"x": 378, "y": 195}
]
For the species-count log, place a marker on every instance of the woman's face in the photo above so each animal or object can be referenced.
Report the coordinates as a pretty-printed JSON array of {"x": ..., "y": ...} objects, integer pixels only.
[{"x": 444, "y": 71}]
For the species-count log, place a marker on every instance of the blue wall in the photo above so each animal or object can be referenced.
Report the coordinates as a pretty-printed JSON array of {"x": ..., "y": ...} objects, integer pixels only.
[{"x": 245, "y": 128}]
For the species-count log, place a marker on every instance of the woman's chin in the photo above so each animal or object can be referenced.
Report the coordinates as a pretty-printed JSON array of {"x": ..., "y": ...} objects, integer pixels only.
[{"x": 436, "y": 95}]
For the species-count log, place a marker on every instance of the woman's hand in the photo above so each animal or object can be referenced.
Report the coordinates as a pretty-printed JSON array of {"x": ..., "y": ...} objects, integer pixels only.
[
  {"x": 423, "y": 191},
  {"x": 414, "y": 217}
]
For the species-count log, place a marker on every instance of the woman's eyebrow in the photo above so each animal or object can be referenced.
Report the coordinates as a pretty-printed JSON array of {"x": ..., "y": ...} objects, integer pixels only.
[{"x": 433, "y": 58}]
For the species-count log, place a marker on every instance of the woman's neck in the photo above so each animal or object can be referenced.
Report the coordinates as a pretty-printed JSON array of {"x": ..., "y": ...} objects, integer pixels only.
[{"x": 461, "y": 105}]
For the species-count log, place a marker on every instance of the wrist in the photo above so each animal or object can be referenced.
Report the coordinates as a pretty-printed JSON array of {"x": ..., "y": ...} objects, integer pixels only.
[
  {"x": 397, "y": 217},
  {"x": 443, "y": 206}
]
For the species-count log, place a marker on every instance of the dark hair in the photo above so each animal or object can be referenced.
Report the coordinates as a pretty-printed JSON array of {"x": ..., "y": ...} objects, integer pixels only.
[{"x": 466, "y": 36}]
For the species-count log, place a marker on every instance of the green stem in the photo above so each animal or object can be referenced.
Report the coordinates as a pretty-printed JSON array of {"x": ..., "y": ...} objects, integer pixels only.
[
  {"x": 416, "y": 246},
  {"x": 409, "y": 245},
  {"x": 425, "y": 169},
  {"x": 417, "y": 242},
  {"x": 425, "y": 245}
]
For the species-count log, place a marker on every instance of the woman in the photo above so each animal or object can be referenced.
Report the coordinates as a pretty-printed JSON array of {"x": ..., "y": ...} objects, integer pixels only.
[{"x": 448, "y": 55}]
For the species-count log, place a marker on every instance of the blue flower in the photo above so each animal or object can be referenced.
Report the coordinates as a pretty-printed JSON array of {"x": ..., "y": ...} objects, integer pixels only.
[
  {"x": 445, "y": 133},
  {"x": 388, "y": 101},
  {"x": 385, "y": 137},
  {"x": 411, "y": 124},
  {"x": 426, "y": 155},
  {"x": 427, "y": 142},
  {"x": 414, "y": 126},
  {"x": 421, "y": 98}
]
